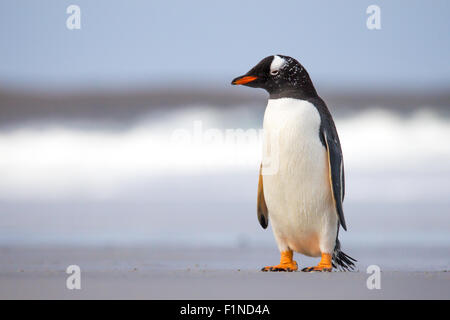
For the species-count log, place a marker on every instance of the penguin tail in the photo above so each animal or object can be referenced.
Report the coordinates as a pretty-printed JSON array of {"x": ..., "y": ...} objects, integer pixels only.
[{"x": 342, "y": 261}]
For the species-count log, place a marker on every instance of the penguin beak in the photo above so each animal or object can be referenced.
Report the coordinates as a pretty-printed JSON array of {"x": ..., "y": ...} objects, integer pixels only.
[{"x": 243, "y": 80}]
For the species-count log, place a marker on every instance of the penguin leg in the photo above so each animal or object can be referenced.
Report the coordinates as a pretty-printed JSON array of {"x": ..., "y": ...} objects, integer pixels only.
[
  {"x": 286, "y": 263},
  {"x": 324, "y": 265}
]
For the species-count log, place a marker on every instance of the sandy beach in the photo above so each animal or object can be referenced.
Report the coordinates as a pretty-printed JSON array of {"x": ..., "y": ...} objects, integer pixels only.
[{"x": 208, "y": 273}]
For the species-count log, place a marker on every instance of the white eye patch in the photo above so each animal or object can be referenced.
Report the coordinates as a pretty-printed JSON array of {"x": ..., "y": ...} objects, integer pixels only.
[{"x": 277, "y": 64}]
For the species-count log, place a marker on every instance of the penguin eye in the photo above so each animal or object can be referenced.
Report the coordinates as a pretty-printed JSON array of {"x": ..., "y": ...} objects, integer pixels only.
[{"x": 274, "y": 72}]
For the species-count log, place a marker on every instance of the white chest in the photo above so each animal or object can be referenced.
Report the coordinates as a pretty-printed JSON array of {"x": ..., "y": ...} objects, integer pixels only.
[
  {"x": 291, "y": 135},
  {"x": 295, "y": 172}
]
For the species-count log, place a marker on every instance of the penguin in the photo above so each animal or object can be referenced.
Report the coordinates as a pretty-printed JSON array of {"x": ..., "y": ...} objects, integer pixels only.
[{"x": 301, "y": 183}]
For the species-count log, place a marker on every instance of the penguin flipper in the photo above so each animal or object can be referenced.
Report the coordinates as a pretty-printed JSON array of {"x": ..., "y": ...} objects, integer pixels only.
[
  {"x": 263, "y": 213},
  {"x": 336, "y": 169}
]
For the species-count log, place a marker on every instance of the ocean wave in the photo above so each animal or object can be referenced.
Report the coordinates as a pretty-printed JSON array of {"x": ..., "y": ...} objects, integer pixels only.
[{"x": 53, "y": 161}]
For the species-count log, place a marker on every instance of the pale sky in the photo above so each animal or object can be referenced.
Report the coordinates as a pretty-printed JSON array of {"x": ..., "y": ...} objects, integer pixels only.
[{"x": 210, "y": 42}]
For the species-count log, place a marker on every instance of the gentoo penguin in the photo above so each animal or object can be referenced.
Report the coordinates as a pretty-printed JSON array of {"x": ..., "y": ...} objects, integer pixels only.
[{"x": 301, "y": 179}]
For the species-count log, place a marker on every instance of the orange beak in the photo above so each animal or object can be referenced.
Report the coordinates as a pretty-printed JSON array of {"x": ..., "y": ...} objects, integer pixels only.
[{"x": 243, "y": 80}]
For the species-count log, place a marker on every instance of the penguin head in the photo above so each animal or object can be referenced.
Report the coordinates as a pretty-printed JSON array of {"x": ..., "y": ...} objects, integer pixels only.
[{"x": 279, "y": 75}]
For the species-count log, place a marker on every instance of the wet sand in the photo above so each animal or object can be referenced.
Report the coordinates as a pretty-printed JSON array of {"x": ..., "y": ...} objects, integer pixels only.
[{"x": 205, "y": 273}]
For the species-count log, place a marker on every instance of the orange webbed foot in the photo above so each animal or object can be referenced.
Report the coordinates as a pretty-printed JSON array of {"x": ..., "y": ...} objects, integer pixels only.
[
  {"x": 282, "y": 267},
  {"x": 286, "y": 263},
  {"x": 317, "y": 269},
  {"x": 324, "y": 265}
]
